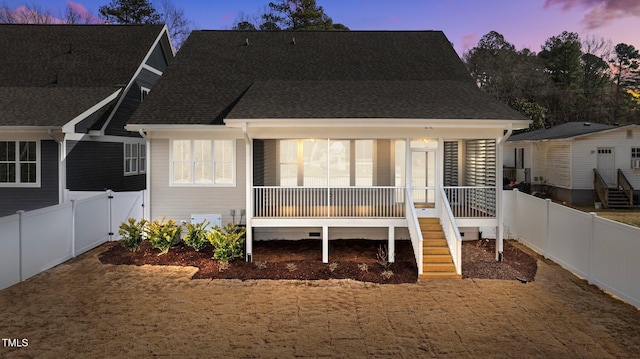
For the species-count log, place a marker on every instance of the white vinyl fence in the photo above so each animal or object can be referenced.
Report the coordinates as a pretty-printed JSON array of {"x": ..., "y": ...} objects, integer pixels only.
[
  {"x": 34, "y": 241},
  {"x": 604, "y": 252}
]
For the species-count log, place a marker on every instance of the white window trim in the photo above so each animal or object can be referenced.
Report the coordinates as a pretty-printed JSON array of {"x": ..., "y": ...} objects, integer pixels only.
[
  {"x": 17, "y": 184},
  {"x": 635, "y": 160},
  {"x": 144, "y": 91},
  {"x": 142, "y": 153},
  {"x": 134, "y": 171},
  {"x": 192, "y": 161}
]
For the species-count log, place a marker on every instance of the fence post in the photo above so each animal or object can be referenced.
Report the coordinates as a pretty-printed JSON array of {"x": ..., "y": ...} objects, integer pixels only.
[
  {"x": 110, "y": 219},
  {"x": 592, "y": 238},
  {"x": 20, "y": 230},
  {"x": 548, "y": 229},
  {"x": 73, "y": 227}
]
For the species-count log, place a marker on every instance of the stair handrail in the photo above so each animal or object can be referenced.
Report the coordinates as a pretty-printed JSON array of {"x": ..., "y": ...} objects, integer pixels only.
[
  {"x": 626, "y": 186},
  {"x": 601, "y": 188},
  {"x": 414, "y": 228},
  {"x": 451, "y": 232}
]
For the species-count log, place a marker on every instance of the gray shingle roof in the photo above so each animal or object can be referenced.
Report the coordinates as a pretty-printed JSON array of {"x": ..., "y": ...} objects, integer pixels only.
[
  {"x": 364, "y": 74},
  {"x": 47, "y": 106},
  {"x": 47, "y": 63},
  {"x": 565, "y": 130}
]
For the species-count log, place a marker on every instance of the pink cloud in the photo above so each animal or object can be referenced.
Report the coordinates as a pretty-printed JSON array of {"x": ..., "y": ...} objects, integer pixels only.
[
  {"x": 469, "y": 41},
  {"x": 227, "y": 16},
  {"x": 601, "y": 12},
  {"x": 29, "y": 15},
  {"x": 395, "y": 20},
  {"x": 83, "y": 12}
]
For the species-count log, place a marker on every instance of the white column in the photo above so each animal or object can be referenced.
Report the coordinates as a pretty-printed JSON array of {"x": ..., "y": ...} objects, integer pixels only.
[
  {"x": 248, "y": 194},
  {"x": 146, "y": 210},
  {"x": 325, "y": 244},
  {"x": 407, "y": 165},
  {"x": 499, "y": 204},
  {"x": 392, "y": 244}
]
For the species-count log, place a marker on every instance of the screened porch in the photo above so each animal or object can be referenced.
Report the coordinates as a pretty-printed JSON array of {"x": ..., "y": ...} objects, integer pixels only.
[{"x": 368, "y": 178}]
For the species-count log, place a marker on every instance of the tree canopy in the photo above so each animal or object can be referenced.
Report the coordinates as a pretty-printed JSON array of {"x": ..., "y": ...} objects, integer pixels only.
[
  {"x": 568, "y": 80},
  {"x": 289, "y": 15},
  {"x": 129, "y": 12}
]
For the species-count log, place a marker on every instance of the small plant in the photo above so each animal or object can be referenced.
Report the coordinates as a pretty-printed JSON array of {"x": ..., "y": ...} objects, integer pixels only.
[
  {"x": 333, "y": 266},
  {"x": 132, "y": 233},
  {"x": 363, "y": 267},
  {"x": 292, "y": 267},
  {"x": 163, "y": 235},
  {"x": 381, "y": 257},
  {"x": 260, "y": 264},
  {"x": 196, "y": 235},
  {"x": 227, "y": 242},
  {"x": 387, "y": 274}
]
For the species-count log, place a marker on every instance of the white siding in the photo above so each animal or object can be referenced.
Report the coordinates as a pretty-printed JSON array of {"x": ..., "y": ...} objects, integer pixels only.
[
  {"x": 558, "y": 163},
  {"x": 178, "y": 203},
  {"x": 585, "y": 154}
]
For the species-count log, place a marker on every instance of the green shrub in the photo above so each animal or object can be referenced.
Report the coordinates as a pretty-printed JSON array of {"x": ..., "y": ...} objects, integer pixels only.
[
  {"x": 163, "y": 235},
  {"x": 196, "y": 235},
  {"x": 227, "y": 242},
  {"x": 132, "y": 233}
]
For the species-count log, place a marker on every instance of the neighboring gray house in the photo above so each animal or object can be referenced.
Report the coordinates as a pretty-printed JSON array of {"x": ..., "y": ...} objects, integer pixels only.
[
  {"x": 66, "y": 93},
  {"x": 315, "y": 134},
  {"x": 576, "y": 159}
]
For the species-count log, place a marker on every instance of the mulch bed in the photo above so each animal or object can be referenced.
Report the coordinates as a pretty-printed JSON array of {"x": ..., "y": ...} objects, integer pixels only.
[{"x": 348, "y": 259}]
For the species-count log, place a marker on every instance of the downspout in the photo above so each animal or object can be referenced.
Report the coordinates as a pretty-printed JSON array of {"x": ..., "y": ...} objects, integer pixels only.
[
  {"x": 248, "y": 193},
  {"x": 62, "y": 165},
  {"x": 146, "y": 210},
  {"x": 499, "y": 204}
]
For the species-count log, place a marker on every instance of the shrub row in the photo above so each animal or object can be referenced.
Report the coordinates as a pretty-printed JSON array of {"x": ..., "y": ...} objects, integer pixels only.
[{"x": 227, "y": 241}]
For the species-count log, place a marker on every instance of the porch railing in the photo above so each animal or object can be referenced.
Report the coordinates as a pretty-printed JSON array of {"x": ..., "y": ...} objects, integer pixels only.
[
  {"x": 277, "y": 201},
  {"x": 625, "y": 186},
  {"x": 472, "y": 202},
  {"x": 601, "y": 188},
  {"x": 451, "y": 231}
]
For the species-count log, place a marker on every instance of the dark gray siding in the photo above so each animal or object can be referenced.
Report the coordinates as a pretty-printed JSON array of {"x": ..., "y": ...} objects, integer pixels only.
[
  {"x": 130, "y": 103},
  {"x": 96, "y": 166},
  {"x": 14, "y": 199},
  {"x": 157, "y": 59}
]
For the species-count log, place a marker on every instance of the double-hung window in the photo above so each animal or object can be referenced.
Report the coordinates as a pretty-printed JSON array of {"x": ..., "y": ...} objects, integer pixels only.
[
  {"x": 135, "y": 158},
  {"x": 202, "y": 162},
  {"x": 635, "y": 157},
  {"x": 19, "y": 163}
]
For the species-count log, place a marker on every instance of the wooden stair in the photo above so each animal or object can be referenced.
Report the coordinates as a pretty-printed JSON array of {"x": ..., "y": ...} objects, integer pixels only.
[
  {"x": 618, "y": 199},
  {"x": 436, "y": 257}
]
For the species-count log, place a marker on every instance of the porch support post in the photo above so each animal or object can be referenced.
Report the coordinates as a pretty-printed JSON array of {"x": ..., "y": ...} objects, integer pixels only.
[
  {"x": 499, "y": 205},
  {"x": 325, "y": 244},
  {"x": 392, "y": 244},
  {"x": 407, "y": 166},
  {"x": 248, "y": 194}
]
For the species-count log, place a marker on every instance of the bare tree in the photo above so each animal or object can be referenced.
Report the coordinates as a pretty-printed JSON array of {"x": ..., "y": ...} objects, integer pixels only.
[
  {"x": 26, "y": 14},
  {"x": 179, "y": 26}
]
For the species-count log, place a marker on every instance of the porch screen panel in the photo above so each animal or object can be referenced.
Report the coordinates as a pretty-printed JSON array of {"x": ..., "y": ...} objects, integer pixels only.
[
  {"x": 399, "y": 163},
  {"x": 364, "y": 163},
  {"x": 481, "y": 163},
  {"x": 339, "y": 163},
  {"x": 288, "y": 162},
  {"x": 450, "y": 163},
  {"x": 315, "y": 168}
]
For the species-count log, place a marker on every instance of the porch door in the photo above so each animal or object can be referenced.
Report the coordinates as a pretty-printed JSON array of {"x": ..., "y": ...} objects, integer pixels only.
[
  {"x": 423, "y": 177},
  {"x": 606, "y": 165}
]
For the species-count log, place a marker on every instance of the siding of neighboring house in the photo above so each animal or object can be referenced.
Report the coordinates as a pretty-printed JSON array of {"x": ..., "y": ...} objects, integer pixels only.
[
  {"x": 585, "y": 155},
  {"x": 14, "y": 199},
  {"x": 130, "y": 103},
  {"x": 178, "y": 203},
  {"x": 558, "y": 164},
  {"x": 96, "y": 166}
]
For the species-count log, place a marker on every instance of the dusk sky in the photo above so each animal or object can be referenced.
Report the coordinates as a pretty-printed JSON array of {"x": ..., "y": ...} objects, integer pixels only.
[{"x": 524, "y": 23}]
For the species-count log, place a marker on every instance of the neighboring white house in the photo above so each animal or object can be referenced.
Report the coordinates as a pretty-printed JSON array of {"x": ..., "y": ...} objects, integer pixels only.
[
  {"x": 563, "y": 158},
  {"x": 325, "y": 134}
]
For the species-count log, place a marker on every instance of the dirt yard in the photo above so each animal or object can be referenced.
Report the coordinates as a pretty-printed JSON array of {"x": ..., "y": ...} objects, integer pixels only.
[{"x": 84, "y": 308}]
